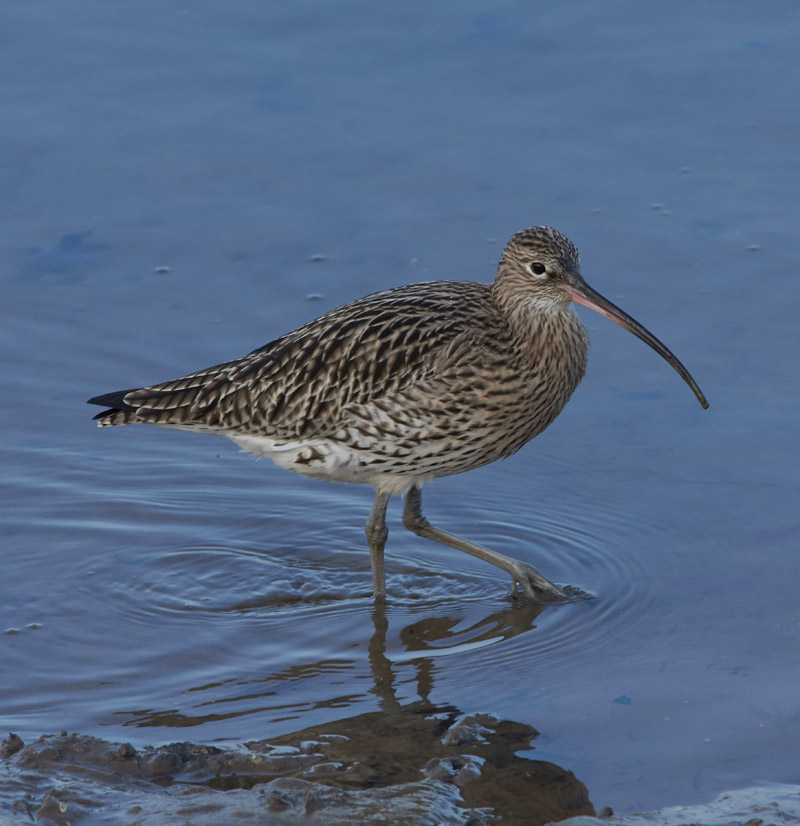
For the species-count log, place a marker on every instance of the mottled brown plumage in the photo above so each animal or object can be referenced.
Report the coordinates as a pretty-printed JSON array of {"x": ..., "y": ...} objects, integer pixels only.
[{"x": 406, "y": 385}]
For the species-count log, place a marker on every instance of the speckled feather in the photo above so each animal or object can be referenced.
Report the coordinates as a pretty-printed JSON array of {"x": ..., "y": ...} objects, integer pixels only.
[{"x": 395, "y": 388}]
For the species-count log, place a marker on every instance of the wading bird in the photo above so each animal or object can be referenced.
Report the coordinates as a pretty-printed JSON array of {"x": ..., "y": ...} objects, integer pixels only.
[{"x": 403, "y": 386}]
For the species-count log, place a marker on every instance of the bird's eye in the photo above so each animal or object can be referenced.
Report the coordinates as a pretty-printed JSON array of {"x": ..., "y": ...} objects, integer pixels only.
[{"x": 537, "y": 268}]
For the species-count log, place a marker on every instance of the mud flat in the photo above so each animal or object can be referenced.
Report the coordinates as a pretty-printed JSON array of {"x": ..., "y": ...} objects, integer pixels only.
[{"x": 415, "y": 765}]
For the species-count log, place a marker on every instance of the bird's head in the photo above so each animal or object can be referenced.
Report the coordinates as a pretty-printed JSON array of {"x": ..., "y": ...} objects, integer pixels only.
[
  {"x": 541, "y": 263},
  {"x": 539, "y": 273}
]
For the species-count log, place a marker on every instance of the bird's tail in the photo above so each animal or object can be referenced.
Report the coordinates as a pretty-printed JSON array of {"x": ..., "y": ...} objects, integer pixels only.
[
  {"x": 119, "y": 412},
  {"x": 187, "y": 401}
]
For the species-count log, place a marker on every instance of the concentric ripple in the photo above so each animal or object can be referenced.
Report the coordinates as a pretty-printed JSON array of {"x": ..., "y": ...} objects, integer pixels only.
[
  {"x": 223, "y": 610},
  {"x": 593, "y": 546}
]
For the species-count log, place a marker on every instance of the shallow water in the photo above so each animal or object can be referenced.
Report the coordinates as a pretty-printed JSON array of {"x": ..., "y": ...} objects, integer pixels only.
[{"x": 276, "y": 162}]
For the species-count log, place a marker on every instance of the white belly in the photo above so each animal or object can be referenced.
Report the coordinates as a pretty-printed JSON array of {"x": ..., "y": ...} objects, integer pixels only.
[{"x": 329, "y": 460}]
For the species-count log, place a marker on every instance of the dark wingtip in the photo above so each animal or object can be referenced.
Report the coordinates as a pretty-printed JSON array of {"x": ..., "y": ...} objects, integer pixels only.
[
  {"x": 105, "y": 413},
  {"x": 115, "y": 400}
]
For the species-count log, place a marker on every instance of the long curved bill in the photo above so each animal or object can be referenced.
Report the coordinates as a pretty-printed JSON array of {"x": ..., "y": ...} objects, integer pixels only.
[{"x": 582, "y": 293}]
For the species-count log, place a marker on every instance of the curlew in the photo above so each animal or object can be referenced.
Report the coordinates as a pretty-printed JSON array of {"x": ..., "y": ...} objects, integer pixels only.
[{"x": 403, "y": 386}]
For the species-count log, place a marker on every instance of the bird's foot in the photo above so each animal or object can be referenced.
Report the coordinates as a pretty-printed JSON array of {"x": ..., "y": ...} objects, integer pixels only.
[
  {"x": 576, "y": 594},
  {"x": 528, "y": 582}
]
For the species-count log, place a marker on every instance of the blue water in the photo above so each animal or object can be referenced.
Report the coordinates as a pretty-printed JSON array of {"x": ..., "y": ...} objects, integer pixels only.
[{"x": 184, "y": 182}]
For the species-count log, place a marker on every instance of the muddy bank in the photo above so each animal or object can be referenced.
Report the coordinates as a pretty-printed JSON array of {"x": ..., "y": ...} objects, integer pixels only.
[
  {"x": 416, "y": 765},
  {"x": 439, "y": 768}
]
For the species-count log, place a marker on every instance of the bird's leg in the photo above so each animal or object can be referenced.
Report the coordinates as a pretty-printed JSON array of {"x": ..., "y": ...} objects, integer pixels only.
[
  {"x": 377, "y": 532},
  {"x": 524, "y": 577}
]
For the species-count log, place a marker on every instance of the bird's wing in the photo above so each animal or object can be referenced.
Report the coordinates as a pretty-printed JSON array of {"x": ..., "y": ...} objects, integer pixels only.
[{"x": 299, "y": 385}]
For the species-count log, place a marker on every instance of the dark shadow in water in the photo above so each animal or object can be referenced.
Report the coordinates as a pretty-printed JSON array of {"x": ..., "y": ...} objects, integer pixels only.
[
  {"x": 419, "y": 762},
  {"x": 68, "y": 259}
]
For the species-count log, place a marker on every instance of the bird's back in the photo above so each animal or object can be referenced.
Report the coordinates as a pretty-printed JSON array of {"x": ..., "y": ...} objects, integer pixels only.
[{"x": 298, "y": 385}]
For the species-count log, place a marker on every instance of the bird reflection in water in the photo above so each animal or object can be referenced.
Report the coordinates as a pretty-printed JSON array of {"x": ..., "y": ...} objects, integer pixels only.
[{"x": 473, "y": 756}]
